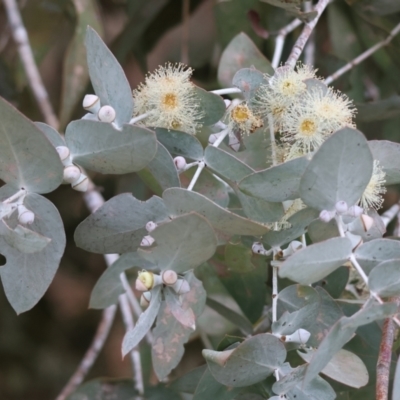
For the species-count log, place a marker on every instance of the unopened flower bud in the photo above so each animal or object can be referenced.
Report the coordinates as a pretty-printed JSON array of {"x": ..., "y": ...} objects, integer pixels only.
[
  {"x": 106, "y": 114},
  {"x": 212, "y": 138},
  {"x": 169, "y": 277},
  {"x": 355, "y": 211},
  {"x": 180, "y": 163},
  {"x": 258, "y": 248},
  {"x": 150, "y": 226},
  {"x": 91, "y": 103},
  {"x": 71, "y": 174},
  {"x": 147, "y": 241},
  {"x": 341, "y": 207},
  {"x": 181, "y": 286},
  {"x": 63, "y": 152},
  {"x": 300, "y": 336},
  {"x": 326, "y": 216},
  {"x": 25, "y": 216},
  {"x": 81, "y": 184},
  {"x": 144, "y": 281},
  {"x": 145, "y": 299},
  {"x": 292, "y": 248}
]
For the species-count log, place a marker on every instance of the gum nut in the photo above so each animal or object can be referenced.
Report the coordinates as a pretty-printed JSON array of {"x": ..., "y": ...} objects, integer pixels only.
[
  {"x": 227, "y": 103},
  {"x": 180, "y": 163},
  {"x": 147, "y": 279},
  {"x": 257, "y": 248},
  {"x": 145, "y": 299},
  {"x": 355, "y": 211},
  {"x": 169, "y": 277},
  {"x": 147, "y": 241},
  {"x": 181, "y": 286},
  {"x": 139, "y": 285},
  {"x": 106, "y": 114},
  {"x": 71, "y": 174},
  {"x": 367, "y": 222},
  {"x": 150, "y": 226},
  {"x": 212, "y": 138},
  {"x": 341, "y": 207},
  {"x": 300, "y": 336},
  {"x": 81, "y": 184},
  {"x": 25, "y": 216},
  {"x": 63, "y": 152},
  {"x": 325, "y": 215},
  {"x": 91, "y": 103}
]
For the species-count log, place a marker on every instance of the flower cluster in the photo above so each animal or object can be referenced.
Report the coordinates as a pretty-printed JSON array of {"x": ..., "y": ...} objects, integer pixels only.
[{"x": 242, "y": 119}]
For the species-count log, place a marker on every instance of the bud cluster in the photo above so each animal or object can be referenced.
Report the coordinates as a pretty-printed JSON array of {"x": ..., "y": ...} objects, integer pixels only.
[{"x": 72, "y": 173}]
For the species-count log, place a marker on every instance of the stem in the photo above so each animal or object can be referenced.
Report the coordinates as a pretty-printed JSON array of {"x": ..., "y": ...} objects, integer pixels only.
[
  {"x": 21, "y": 38},
  {"x": 138, "y": 118},
  {"x": 134, "y": 354},
  {"x": 274, "y": 293},
  {"x": 307, "y": 30},
  {"x": 363, "y": 56},
  {"x": 309, "y": 51},
  {"x": 390, "y": 214},
  {"x": 91, "y": 354},
  {"x": 185, "y": 32},
  {"x": 272, "y": 137},
  {"x": 16, "y": 196},
  {"x": 385, "y": 356},
  {"x": 226, "y": 91},
  {"x": 196, "y": 175},
  {"x": 280, "y": 41},
  {"x": 221, "y": 137}
]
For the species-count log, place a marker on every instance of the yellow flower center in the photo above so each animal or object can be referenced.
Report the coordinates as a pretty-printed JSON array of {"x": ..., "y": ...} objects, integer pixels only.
[
  {"x": 170, "y": 101},
  {"x": 308, "y": 127},
  {"x": 240, "y": 114}
]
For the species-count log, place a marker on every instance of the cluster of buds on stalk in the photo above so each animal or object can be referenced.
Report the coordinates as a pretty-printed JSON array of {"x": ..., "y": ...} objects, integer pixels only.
[{"x": 97, "y": 112}]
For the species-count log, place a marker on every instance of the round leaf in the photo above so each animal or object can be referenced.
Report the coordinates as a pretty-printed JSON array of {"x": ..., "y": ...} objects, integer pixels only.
[
  {"x": 212, "y": 105},
  {"x": 384, "y": 279}
]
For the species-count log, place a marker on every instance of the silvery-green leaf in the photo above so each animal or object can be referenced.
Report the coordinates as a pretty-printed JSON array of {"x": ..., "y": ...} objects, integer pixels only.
[
  {"x": 26, "y": 277},
  {"x": 180, "y": 201},
  {"x": 109, "y": 287},
  {"x": 277, "y": 183},
  {"x": 316, "y": 261},
  {"x": 288, "y": 323},
  {"x": 241, "y": 52},
  {"x": 169, "y": 334},
  {"x": 339, "y": 171},
  {"x": 384, "y": 279},
  {"x": 160, "y": 173},
  {"x": 108, "y": 78},
  {"x": 376, "y": 231},
  {"x": 370, "y": 254},
  {"x": 55, "y": 138},
  {"x": 212, "y": 105},
  {"x": 248, "y": 80},
  {"x": 27, "y": 158},
  {"x": 318, "y": 231},
  {"x": 23, "y": 239},
  {"x": 180, "y": 143},
  {"x": 299, "y": 222},
  {"x": 316, "y": 85},
  {"x": 7, "y": 209},
  {"x": 133, "y": 337},
  {"x": 100, "y": 147},
  {"x": 396, "y": 383},
  {"x": 388, "y": 154},
  {"x": 118, "y": 226},
  {"x": 344, "y": 367},
  {"x": 251, "y": 362},
  {"x": 184, "y": 316},
  {"x": 181, "y": 244}
]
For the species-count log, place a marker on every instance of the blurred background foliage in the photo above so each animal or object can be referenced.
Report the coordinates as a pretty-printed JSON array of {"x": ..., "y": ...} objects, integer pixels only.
[{"x": 40, "y": 349}]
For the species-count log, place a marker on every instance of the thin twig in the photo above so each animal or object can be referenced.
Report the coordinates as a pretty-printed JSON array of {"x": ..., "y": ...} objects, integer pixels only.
[
  {"x": 196, "y": 175},
  {"x": 309, "y": 51},
  {"x": 385, "y": 356},
  {"x": 91, "y": 354},
  {"x": 390, "y": 214},
  {"x": 185, "y": 32},
  {"x": 16, "y": 196},
  {"x": 28, "y": 61},
  {"x": 274, "y": 293},
  {"x": 363, "y": 56},
  {"x": 226, "y": 91},
  {"x": 307, "y": 30},
  {"x": 280, "y": 41}
]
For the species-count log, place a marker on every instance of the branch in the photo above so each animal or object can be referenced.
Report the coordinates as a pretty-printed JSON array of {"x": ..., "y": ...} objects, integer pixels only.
[
  {"x": 25, "y": 52},
  {"x": 185, "y": 32},
  {"x": 307, "y": 30},
  {"x": 385, "y": 356},
  {"x": 91, "y": 354},
  {"x": 389, "y": 214},
  {"x": 363, "y": 56}
]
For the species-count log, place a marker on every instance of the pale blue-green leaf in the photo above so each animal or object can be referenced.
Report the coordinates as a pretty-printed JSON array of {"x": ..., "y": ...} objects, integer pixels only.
[
  {"x": 238, "y": 258},
  {"x": 316, "y": 261},
  {"x": 370, "y": 254},
  {"x": 240, "y": 53},
  {"x": 161, "y": 172},
  {"x": 396, "y": 383},
  {"x": 299, "y": 222},
  {"x": 108, "y": 78},
  {"x": 377, "y": 230},
  {"x": 188, "y": 382},
  {"x": 185, "y": 316},
  {"x": 319, "y": 231},
  {"x": 119, "y": 225},
  {"x": 100, "y": 147},
  {"x": 344, "y": 367},
  {"x": 109, "y": 287},
  {"x": 55, "y": 138},
  {"x": 180, "y": 143},
  {"x": 181, "y": 244},
  {"x": 251, "y": 362},
  {"x": 180, "y": 201},
  {"x": 23, "y": 239},
  {"x": 209, "y": 388},
  {"x": 212, "y": 105},
  {"x": 335, "y": 282},
  {"x": 26, "y": 277},
  {"x": 388, "y": 155},
  {"x": 277, "y": 183},
  {"x": 239, "y": 320},
  {"x": 316, "y": 85},
  {"x": 294, "y": 297},
  {"x": 133, "y": 337},
  {"x": 379, "y": 110},
  {"x": 7, "y": 209},
  {"x": 384, "y": 279},
  {"x": 248, "y": 80},
  {"x": 339, "y": 171},
  {"x": 288, "y": 323},
  {"x": 27, "y": 158},
  {"x": 170, "y": 335}
]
